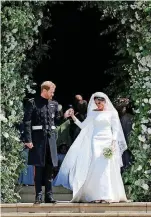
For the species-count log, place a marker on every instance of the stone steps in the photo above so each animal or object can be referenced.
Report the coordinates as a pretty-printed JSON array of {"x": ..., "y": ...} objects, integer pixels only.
[
  {"x": 27, "y": 194},
  {"x": 65, "y": 209},
  {"x": 76, "y": 215},
  {"x": 77, "y": 208}
]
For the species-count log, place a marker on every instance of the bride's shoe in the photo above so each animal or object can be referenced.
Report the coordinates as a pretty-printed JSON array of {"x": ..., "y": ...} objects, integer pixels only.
[
  {"x": 95, "y": 201},
  {"x": 100, "y": 201},
  {"x": 104, "y": 201}
]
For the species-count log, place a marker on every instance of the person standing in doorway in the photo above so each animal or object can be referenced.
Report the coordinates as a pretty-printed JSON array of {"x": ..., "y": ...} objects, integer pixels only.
[
  {"x": 126, "y": 117},
  {"x": 80, "y": 107},
  {"x": 41, "y": 114}
]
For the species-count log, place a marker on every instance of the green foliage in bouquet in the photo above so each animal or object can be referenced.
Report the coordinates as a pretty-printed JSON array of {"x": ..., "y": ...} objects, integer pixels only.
[{"x": 108, "y": 152}]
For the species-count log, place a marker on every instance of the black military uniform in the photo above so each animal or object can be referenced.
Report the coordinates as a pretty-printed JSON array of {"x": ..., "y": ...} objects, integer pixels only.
[{"x": 39, "y": 128}]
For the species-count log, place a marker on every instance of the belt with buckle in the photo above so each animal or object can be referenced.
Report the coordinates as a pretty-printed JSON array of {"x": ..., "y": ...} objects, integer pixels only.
[{"x": 41, "y": 127}]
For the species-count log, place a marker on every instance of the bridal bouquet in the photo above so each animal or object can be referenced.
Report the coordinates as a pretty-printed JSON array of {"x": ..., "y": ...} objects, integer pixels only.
[{"x": 108, "y": 152}]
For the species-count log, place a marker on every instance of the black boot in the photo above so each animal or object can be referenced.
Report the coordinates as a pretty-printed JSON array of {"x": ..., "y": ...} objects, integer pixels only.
[
  {"x": 38, "y": 184},
  {"x": 48, "y": 189},
  {"x": 49, "y": 198},
  {"x": 38, "y": 199}
]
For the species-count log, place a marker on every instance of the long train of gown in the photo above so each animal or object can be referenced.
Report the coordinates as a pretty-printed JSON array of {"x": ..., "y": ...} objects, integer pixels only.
[{"x": 85, "y": 170}]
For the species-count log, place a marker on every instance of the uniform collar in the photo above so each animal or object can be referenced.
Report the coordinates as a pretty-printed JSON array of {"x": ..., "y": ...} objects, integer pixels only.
[{"x": 44, "y": 100}]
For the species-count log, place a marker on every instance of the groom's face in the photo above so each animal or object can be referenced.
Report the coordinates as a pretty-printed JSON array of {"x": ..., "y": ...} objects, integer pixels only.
[{"x": 49, "y": 93}]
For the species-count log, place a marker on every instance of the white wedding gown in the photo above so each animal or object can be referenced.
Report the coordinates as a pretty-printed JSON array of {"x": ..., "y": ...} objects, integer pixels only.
[{"x": 85, "y": 170}]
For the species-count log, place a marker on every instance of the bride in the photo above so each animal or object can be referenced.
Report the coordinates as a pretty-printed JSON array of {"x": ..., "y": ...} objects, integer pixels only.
[{"x": 85, "y": 170}]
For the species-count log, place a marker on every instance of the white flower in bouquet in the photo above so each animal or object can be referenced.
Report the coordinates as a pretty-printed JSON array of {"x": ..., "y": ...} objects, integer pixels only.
[{"x": 108, "y": 152}]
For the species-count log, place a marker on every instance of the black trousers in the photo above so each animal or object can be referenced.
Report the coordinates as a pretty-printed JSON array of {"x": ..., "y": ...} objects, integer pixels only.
[{"x": 43, "y": 175}]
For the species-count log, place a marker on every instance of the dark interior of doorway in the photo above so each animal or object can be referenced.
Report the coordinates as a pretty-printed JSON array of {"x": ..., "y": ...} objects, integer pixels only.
[{"x": 79, "y": 54}]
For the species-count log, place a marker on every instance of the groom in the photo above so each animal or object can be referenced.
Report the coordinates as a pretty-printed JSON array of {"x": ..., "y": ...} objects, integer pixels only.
[{"x": 40, "y": 118}]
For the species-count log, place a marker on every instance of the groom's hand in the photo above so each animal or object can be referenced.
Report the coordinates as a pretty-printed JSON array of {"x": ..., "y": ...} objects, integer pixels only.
[
  {"x": 29, "y": 145},
  {"x": 55, "y": 171}
]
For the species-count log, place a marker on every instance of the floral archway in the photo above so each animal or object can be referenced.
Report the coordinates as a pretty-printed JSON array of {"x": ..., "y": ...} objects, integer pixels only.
[{"x": 20, "y": 28}]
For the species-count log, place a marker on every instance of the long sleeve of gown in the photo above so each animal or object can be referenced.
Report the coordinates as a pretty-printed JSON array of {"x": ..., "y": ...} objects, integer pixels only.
[
  {"x": 115, "y": 125},
  {"x": 83, "y": 124}
]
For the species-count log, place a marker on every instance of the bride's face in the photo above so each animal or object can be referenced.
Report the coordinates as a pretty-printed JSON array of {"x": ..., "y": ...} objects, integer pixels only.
[{"x": 100, "y": 104}]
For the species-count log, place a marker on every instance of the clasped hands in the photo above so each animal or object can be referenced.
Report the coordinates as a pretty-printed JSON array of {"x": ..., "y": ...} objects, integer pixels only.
[{"x": 69, "y": 113}]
